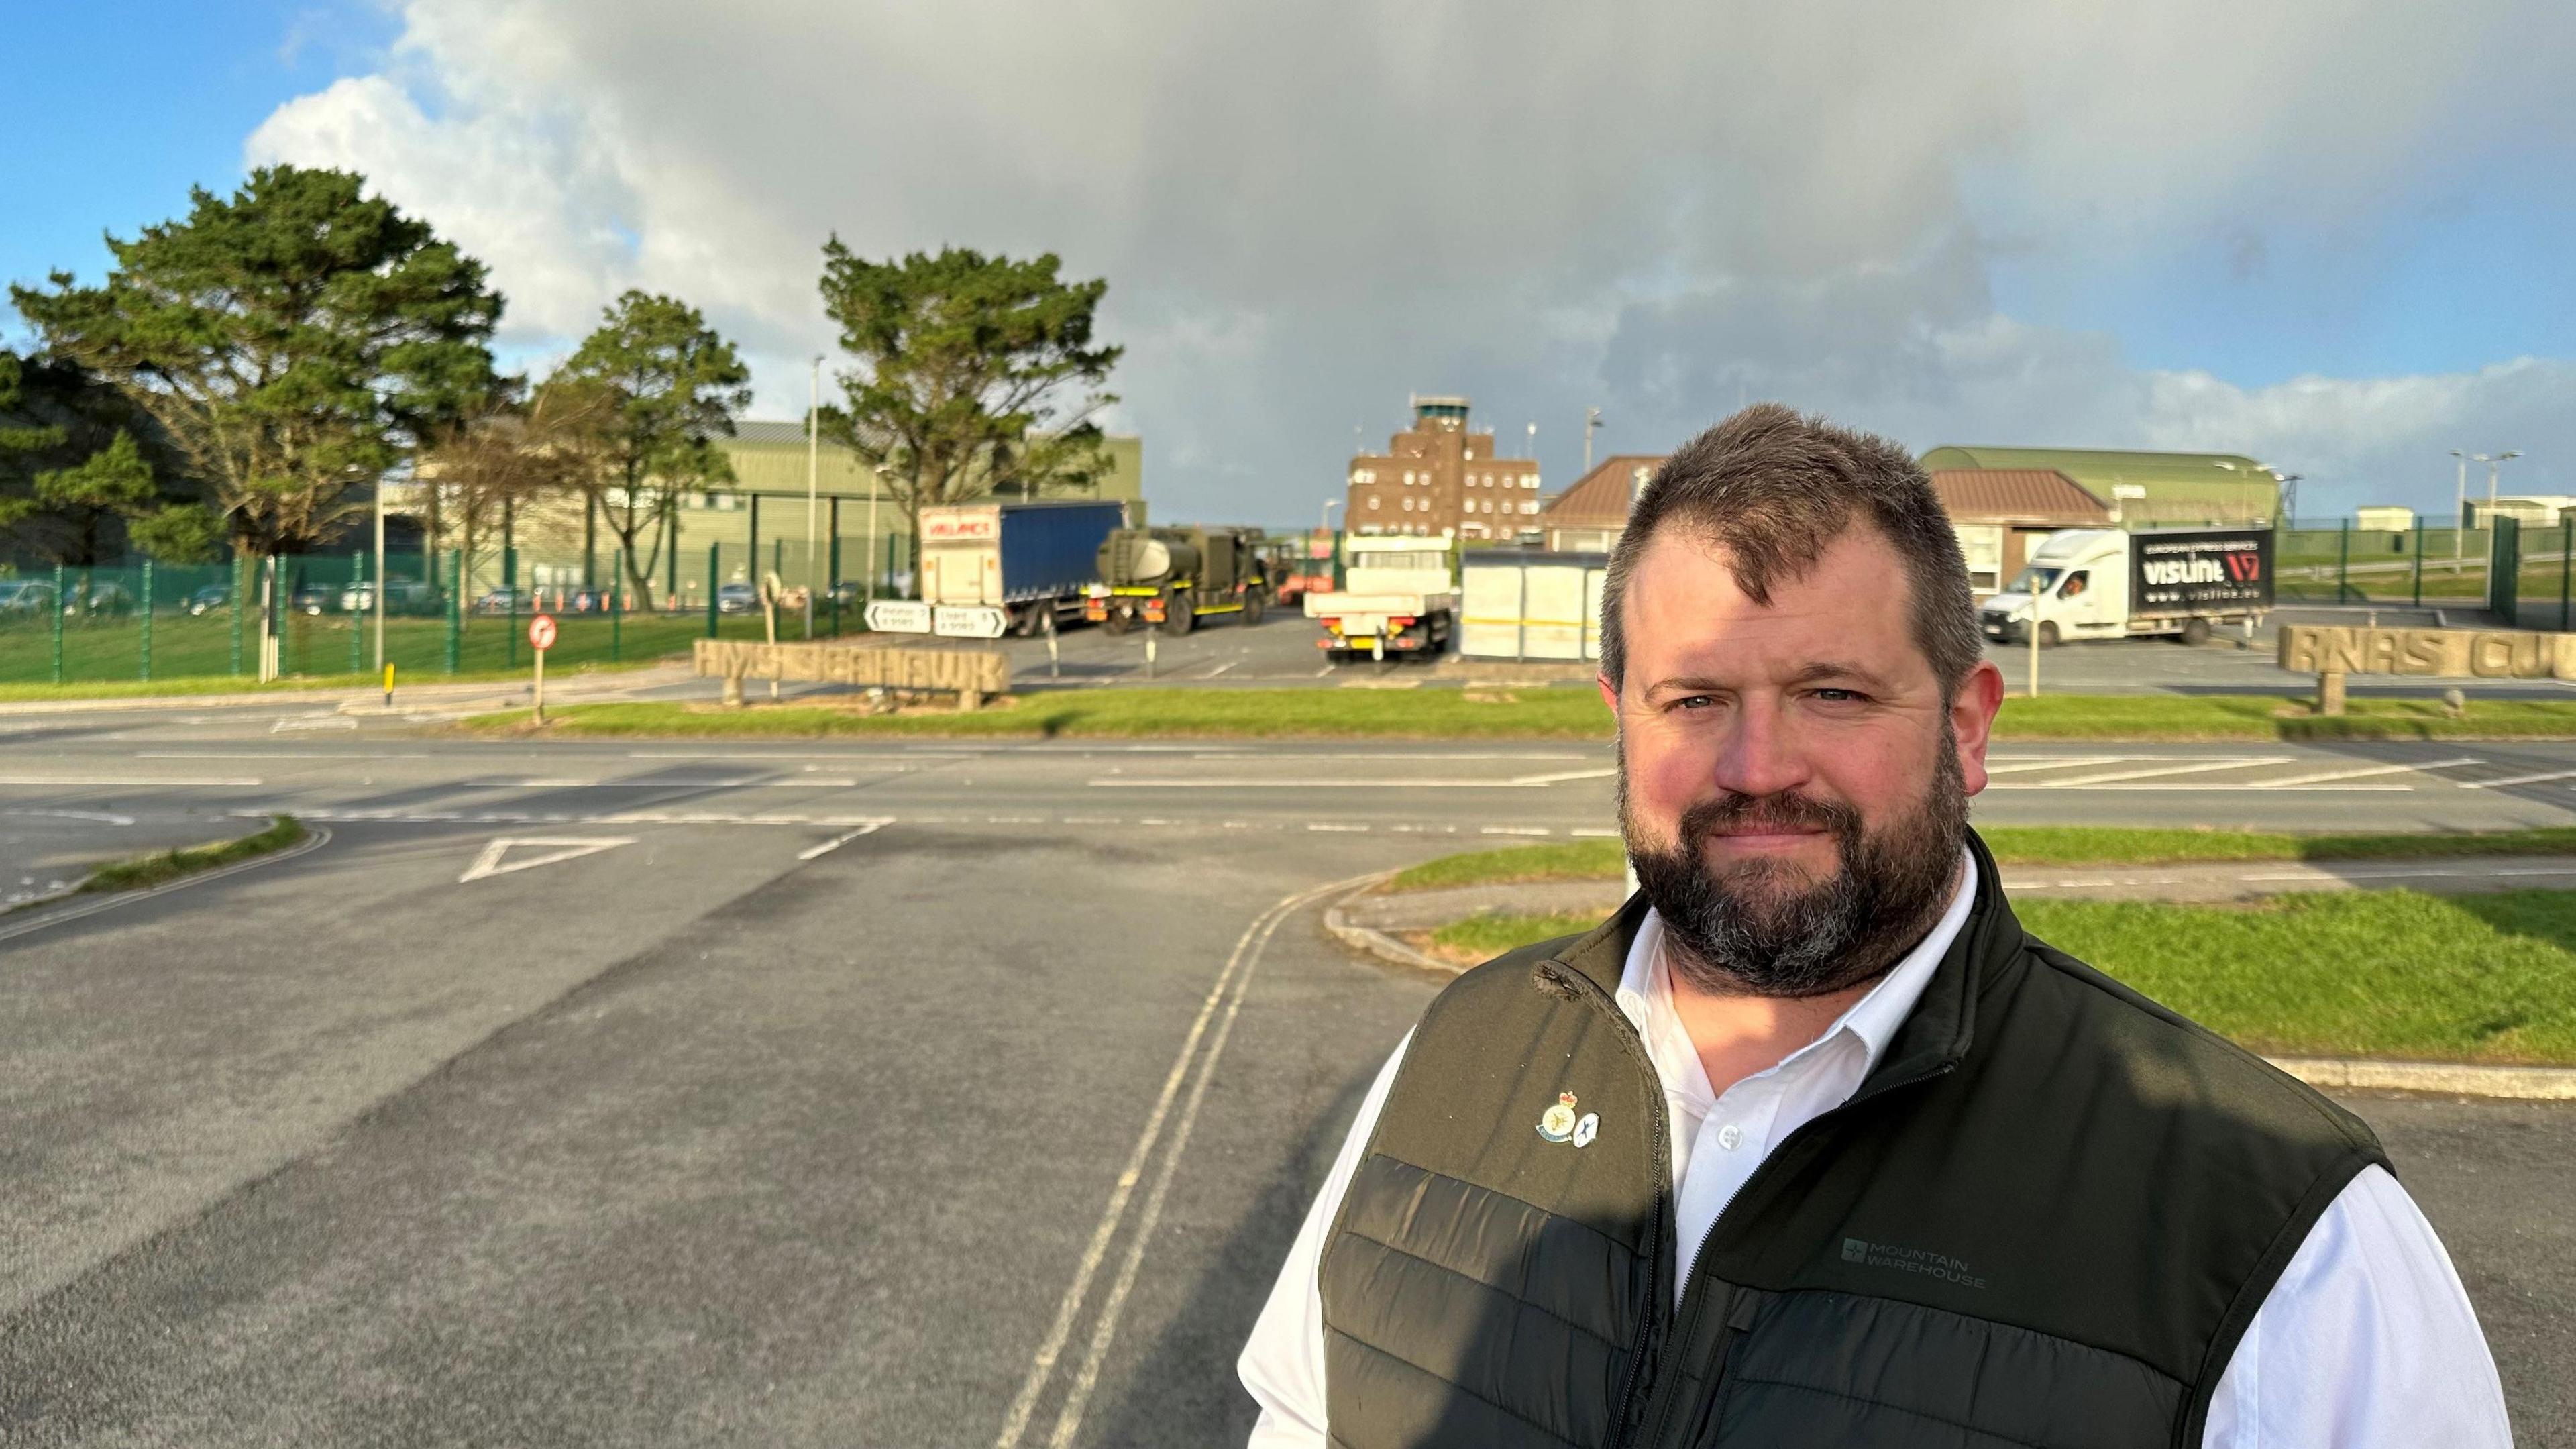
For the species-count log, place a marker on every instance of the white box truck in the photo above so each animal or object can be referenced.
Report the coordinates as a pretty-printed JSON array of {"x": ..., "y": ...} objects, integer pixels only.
[
  {"x": 2108, "y": 583},
  {"x": 1399, "y": 595}
]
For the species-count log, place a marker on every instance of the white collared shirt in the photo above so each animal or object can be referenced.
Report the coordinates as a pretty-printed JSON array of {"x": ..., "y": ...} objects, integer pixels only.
[{"x": 2367, "y": 1341}]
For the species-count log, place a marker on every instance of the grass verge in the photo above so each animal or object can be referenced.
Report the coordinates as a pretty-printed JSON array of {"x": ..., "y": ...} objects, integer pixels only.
[
  {"x": 2485, "y": 978},
  {"x": 2026, "y": 845},
  {"x": 405, "y": 680},
  {"x": 1528, "y": 713},
  {"x": 165, "y": 866}
]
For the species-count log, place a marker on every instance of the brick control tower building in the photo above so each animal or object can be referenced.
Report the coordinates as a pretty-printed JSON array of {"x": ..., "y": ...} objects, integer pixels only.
[{"x": 1442, "y": 480}]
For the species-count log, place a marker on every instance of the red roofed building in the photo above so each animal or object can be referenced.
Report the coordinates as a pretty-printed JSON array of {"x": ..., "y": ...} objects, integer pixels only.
[
  {"x": 1590, "y": 516},
  {"x": 2001, "y": 514}
]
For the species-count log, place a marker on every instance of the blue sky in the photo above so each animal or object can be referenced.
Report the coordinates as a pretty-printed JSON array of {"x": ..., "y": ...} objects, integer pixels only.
[
  {"x": 2340, "y": 254},
  {"x": 189, "y": 82}
]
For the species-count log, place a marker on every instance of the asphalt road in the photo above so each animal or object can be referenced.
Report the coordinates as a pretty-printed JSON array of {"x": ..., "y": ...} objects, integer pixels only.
[{"x": 904, "y": 1095}]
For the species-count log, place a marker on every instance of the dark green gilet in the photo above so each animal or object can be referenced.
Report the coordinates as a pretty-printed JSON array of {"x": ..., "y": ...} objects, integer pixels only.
[{"x": 2043, "y": 1221}]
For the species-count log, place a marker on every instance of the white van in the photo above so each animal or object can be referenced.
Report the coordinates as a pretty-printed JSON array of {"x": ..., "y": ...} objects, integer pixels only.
[{"x": 2108, "y": 583}]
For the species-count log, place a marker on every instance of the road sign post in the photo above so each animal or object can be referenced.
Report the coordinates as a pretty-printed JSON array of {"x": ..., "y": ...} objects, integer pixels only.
[{"x": 541, "y": 637}]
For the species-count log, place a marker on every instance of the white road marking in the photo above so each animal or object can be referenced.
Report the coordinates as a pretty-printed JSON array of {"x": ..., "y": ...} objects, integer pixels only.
[
  {"x": 556, "y": 848},
  {"x": 640, "y": 782},
  {"x": 1339, "y": 755},
  {"x": 1238, "y": 976},
  {"x": 1513, "y": 782},
  {"x": 101, "y": 816},
  {"x": 1220, "y": 669},
  {"x": 2240, "y": 762},
  {"x": 835, "y": 843},
  {"x": 269, "y": 755},
  {"x": 1594, "y": 834},
  {"x": 1346, "y": 829},
  {"x": 328, "y": 722},
  {"x": 1514, "y": 830},
  {"x": 2543, "y": 776},
  {"x": 116, "y": 782},
  {"x": 2068, "y": 762},
  {"x": 2319, "y": 779}
]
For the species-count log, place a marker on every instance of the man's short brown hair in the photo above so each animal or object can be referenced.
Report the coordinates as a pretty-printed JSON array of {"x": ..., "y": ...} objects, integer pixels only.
[{"x": 1774, "y": 489}]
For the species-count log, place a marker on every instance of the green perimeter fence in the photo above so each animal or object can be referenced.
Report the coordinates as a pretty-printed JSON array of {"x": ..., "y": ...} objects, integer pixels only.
[
  {"x": 138, "y": 620},
  {"x": 2335, "y": 562}
]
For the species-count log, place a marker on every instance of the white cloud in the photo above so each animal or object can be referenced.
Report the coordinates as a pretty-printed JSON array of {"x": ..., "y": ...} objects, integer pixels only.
[{"x": 1308, "y": 212}]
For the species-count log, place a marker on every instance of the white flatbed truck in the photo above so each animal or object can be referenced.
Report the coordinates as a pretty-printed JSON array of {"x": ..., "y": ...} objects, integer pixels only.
[{"x": 1399, "y": 595}]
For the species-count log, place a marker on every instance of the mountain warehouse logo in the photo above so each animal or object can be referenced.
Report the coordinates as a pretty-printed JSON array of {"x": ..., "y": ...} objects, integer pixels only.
[{"x": 1910, "y": 1260}]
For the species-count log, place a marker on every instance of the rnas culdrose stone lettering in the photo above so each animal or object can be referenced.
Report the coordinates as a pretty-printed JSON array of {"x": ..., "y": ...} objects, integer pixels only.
[{"x": 2441, "y": 653}]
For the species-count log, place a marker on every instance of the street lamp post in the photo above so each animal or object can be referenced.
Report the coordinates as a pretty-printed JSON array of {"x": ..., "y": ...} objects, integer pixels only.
[{"x": 2495, "y": 464}]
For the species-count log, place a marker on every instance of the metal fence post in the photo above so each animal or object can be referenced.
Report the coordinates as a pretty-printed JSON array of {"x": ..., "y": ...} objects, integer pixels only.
[
  {"x": 2419, "y": 566},
  {"x": 616, "y": 622},
  {"x": 455, "y": 609},
  {"x": 145, "y": 587},
  {"x": 2567, "y": 560},
  {"x": 714, "y": 579},
  {"x": 510, "y": 597},
  {"x": 58, "y": 623},
  {"x": 2343, "y": 560},
  {"x": 836, "y": 570},
  {"x": 241, "y": 586}
]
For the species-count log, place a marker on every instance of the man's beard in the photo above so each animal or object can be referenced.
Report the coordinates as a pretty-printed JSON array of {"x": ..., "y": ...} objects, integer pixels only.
[{"x": 1765, "y": 927}]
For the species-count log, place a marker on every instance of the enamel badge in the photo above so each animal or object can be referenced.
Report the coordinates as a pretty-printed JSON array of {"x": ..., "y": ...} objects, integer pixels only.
[{"x": 1559, "y": 1124}]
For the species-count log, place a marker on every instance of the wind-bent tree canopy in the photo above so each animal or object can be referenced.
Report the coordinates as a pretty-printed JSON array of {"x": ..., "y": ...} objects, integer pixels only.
[
  {"x": 75, "y": 485},
  {"x": 293, "y": 340},
  {"x": 670, "y": 386},
  {"x": 973, "y": 374},
  {"x": 514, "y": 453}
]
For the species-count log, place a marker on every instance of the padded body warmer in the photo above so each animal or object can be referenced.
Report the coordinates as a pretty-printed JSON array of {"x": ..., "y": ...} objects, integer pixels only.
[{"x": 2042, "y": 1222}]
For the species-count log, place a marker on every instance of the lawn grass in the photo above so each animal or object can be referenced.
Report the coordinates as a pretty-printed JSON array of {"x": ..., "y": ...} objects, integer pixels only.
[
  {"x": 2481, "y": 978},
  {"x": 2025, "y": 845},
  {"x": 2487, "y": 978},
  {"x": 162, "y": 867},
  {"x": 1535, "y": 713}
]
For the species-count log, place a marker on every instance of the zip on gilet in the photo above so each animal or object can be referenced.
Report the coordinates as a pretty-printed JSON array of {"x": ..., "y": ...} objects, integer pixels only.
[{"x": 2043, "y": 1220}]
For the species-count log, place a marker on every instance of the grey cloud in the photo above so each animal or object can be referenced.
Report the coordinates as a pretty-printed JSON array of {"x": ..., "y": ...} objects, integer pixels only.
[{"x": 1306, "y": 212}]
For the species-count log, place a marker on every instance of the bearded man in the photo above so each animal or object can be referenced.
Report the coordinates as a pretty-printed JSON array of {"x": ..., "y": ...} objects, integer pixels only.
[{"x": 1811, "y": 1144}]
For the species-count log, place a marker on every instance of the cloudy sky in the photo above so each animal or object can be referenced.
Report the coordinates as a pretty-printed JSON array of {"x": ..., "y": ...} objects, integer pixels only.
[{"x": 2336, "y": 235}]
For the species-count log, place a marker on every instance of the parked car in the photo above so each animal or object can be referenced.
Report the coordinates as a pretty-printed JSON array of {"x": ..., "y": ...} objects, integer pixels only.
[
  {"x": 737, "y": 599},
  {"x": 110, "y": 597},
  {"x": 501, "y": 601},
  {"x": 26, "y": 596},
  {"x": 402, "y": 596},
  {"x": 315, "y": 598},
  {"x": 210, "y": 598}
]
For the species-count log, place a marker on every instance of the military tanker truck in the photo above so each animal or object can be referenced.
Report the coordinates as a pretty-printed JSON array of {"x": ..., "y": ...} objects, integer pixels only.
[{"x": 1173, "y": 577}]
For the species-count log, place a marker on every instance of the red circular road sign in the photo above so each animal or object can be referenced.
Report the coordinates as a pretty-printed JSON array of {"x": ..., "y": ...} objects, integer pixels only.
[{"x": 541, "y": 631}]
